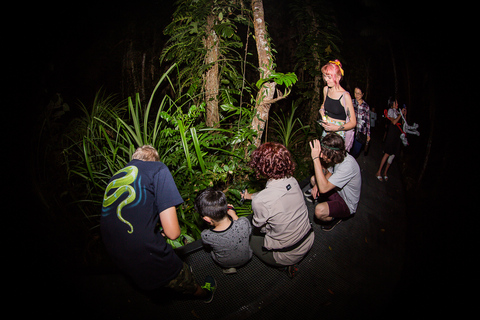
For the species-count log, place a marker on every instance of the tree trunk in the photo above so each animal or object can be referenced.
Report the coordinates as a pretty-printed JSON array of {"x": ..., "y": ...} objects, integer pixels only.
[
  {"x": 318, "y": 81},
  {"x": 211, "y": 77},
  {"x": 317, "y": 97},
  {"x": 265, "y": 62},
  {"x": 316, "y": 101}
]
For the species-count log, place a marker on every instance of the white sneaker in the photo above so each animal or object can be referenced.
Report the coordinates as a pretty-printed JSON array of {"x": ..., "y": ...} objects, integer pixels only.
[{"x": 230, "y": 270}]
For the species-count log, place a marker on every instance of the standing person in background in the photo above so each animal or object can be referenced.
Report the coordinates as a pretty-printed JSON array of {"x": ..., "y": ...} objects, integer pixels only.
[
  {"x": 392, "y": 144},
  {"x": 362, "y": 132},
  {"x": 337, "y": 110}
]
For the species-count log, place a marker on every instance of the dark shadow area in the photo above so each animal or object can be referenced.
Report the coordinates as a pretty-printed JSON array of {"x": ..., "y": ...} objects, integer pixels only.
[{"x": 401, "y": 255}]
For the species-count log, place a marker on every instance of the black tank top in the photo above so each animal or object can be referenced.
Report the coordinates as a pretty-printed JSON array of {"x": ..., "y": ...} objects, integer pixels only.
[{"x": 334, "y": 109}]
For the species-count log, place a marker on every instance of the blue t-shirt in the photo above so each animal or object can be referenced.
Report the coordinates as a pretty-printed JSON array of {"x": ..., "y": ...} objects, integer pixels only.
[{"x": 133, "y": 200}]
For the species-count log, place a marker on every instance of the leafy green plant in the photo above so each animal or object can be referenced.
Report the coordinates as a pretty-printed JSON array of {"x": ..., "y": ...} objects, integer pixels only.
[
  {"x": 194, "y": 23},
  {"x": 287, "y": 79},
  {"x": 289, "y": 129},
  {"x": 197, "y": 156}
]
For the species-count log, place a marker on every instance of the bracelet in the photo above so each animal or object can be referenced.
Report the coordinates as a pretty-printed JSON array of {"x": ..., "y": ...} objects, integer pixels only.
[
  {"x": 315, "y": 158},
  {"x": 232, "y": 208}
]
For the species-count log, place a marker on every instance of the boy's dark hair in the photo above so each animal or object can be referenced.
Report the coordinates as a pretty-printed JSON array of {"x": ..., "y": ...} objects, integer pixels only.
[{"x": 211, "y": 203}]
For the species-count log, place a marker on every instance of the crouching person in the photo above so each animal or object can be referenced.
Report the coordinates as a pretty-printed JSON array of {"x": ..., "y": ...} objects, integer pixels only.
[
  {"x": 340, "y": 184},
  {"x": 228, "y": 236},
  {"x": 283, "y": 234},
  {"x": 137, "y": 198}
]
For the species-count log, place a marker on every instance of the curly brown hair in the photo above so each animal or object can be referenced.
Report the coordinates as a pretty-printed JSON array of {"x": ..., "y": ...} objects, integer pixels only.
[{"x": 273, "y": 161}]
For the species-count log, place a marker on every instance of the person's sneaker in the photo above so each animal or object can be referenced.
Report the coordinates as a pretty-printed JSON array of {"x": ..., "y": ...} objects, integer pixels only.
[
  {"x": 230, "y": 270},
  {"x": 210, "y": 286},
  {"x": 308, "y": 195},
  {"x": 331, "y": 224}
]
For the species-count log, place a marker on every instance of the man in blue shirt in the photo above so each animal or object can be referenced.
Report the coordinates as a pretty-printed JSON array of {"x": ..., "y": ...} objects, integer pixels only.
[{"x": 137, "y": 198}]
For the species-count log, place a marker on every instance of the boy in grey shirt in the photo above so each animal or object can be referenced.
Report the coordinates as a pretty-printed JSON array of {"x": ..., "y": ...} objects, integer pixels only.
[{"x": 228, "y": 235}]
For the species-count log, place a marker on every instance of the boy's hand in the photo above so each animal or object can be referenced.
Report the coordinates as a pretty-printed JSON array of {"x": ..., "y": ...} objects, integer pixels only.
[
  {"x": 246, "y": 195},
  {"x": 231, "y": 212}
]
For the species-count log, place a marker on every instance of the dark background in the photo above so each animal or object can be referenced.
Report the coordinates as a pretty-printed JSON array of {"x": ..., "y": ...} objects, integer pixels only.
[{"x": 76, "y": 48}]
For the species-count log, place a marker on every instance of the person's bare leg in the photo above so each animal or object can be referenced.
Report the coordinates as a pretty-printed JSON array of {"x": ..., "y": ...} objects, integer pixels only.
[
  {"x": 389, "y": 163},
  {"x": 322, "y": 211},
  {"x": 386, "y": 169},
  {"x": 382, "y": 163}
]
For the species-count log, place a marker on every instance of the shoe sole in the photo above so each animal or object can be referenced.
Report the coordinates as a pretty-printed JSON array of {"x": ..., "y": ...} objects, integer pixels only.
[
  {"x": 310, "y": 199},
  {"x": 230, "y": 271},
  {"x": 332, "y": 226}
]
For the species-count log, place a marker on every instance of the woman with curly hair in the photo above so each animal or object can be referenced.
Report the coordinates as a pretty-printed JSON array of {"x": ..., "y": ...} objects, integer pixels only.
[{"x": 284, "y": 233}]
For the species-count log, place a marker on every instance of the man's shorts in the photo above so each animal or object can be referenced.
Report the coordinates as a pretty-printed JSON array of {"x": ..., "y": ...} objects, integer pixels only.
[
  {"x": 184, "y": 282},
  {"x": 336, "y": 205}
]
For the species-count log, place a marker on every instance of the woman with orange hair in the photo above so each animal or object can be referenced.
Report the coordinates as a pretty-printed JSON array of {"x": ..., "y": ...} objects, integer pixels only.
[
  {"x": 284, "y": 234},
  {"x": 337, "y": 110}
]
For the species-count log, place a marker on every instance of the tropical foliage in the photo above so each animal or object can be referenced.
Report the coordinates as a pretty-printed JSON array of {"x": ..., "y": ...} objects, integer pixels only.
[
  {"x": 197, "y": 156},
  {"x": 175, "y": 120},
  {"x": 204, "y": 43},
  {"x": 289, "y": 128}
]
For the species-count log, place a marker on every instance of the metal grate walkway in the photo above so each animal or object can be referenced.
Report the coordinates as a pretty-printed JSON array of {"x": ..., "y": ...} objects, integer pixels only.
[{"x": 350, "y": 272}]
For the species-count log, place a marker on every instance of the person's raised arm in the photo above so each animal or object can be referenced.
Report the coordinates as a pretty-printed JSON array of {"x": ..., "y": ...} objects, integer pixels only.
[
  {"x": 322, "y": 183},
  {"x": 169, "y": 221}
]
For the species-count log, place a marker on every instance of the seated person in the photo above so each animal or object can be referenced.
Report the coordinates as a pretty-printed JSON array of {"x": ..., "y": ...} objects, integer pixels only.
[{"x": 229, "y": 235}]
